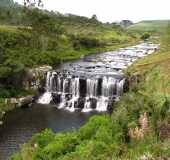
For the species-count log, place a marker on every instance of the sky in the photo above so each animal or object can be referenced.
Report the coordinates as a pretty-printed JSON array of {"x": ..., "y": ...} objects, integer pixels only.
[{"x": 112, "y": 10}]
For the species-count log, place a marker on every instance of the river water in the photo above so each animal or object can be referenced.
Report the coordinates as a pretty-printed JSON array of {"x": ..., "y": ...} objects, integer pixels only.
[
  {"x": 74, "y": 93},
  {"x": 20, "y": 124}
]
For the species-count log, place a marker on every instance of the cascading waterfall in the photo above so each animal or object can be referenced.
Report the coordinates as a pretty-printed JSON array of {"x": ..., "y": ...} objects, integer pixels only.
[
  {"x": 88, "y": 85},
  {"x": 47, "y": 96},
  {"x": 92, "y": 85}
]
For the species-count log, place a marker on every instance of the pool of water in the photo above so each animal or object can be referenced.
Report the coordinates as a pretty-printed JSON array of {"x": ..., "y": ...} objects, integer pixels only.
[{"x": 20, "y": 124}]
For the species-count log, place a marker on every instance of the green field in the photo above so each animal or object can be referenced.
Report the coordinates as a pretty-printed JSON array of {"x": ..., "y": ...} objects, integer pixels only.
[{"x": 149, "y": 26}]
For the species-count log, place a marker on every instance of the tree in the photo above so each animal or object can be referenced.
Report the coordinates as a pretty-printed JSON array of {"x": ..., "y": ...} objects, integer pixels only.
[
  {"x": 145, "y": 36},
  {"x": 33, "y": 3},
  {"x": 126, "y": 23},
  {"x": 94, "y": 17},
  {"x": 43, "y": 23}
]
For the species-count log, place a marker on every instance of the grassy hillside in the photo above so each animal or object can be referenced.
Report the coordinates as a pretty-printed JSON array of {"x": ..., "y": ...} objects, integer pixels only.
[
  {"x": 137, "y": 129},
  {"x": 149, "y": 26},
  {"x": 33, "y": 37}
]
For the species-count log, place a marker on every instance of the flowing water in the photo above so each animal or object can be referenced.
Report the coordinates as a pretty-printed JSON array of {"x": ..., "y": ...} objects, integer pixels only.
[
  {"x": 74, "y": 92},
  {"x": 94, "y": 82}
]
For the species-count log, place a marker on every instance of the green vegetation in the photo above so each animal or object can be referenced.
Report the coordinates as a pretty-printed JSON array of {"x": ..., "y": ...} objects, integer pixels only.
[
  {"x": 47, "y": 38},
  {"x": 32, "y": 37},
  {"x": 6, "y": 3},
  {"x": 145, "y": 36},
  {"x": 29, "y": 38},
  {"x": 134, "y": 130},
  {"x": 149, "y": 26}
]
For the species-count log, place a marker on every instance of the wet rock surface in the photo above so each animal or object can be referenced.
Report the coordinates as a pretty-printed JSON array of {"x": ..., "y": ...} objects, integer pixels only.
[
  {"x": 33, "y": 77},
  {"x": 93, "y": 82}
]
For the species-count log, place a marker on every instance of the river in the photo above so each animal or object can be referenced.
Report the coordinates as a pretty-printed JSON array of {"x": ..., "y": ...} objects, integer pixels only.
[{"x": 74, "y": 92}]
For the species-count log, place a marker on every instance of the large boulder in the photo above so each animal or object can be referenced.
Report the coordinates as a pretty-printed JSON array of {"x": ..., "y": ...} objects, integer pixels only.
[
  {"x": 34, "y": 77},
  {"x": 23, "y": 101}
]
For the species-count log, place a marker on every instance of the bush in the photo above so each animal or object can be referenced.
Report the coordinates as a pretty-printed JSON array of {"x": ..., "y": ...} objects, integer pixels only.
[{"x": 145, "y": 36}]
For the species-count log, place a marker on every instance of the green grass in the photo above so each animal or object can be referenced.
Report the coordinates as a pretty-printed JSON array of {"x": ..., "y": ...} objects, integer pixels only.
[
  {"x": 9, "y": 28},
  {"x": 149, "y": 26}
]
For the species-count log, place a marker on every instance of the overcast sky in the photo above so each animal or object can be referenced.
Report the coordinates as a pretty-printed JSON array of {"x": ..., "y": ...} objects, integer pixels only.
[{"x": 112, "y": 10}]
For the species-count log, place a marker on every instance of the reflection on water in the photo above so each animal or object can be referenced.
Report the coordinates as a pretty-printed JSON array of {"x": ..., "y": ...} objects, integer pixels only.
[{"x": 20, "y": 124}]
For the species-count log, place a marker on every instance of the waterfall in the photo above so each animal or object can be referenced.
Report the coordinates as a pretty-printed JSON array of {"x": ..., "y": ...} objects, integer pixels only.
[
  {"x": 75, "y": 93},
  {"x": 102, "y": 104},
  {"x": 89, "y": 85},
  {"x": 47, "y": 96},
  {"x": 48, "y": 82},
  {"x": 97, "y": 93},
  {"x": 92, "y": 85},
  {"x": 59, "y": 83},
  {"x": 108, "y": 86}
]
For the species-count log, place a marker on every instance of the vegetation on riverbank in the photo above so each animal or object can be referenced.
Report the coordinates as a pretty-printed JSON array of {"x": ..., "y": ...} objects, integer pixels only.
[
  {"x": 137, "y": 129},
  {"x": 31, "y": 38}
]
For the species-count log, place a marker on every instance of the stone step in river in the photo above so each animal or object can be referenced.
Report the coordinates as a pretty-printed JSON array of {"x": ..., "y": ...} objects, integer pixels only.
[{"x": 93, "y": 82}]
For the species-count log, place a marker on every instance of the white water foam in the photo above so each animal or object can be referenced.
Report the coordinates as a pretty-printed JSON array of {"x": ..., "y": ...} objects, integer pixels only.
[{"x": 46, "y": 98}]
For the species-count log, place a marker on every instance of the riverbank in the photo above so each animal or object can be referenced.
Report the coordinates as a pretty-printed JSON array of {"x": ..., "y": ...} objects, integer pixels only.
[
  {"x": 137, "y": 129},
  {"x": 60, "y": 38},
  {"x": 5, "y": 103}
]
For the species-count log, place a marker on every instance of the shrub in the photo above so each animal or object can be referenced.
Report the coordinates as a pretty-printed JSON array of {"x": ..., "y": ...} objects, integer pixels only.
[{"x": 145, "y": 36}]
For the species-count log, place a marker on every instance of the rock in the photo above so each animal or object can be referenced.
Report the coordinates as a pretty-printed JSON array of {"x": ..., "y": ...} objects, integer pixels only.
[
  {"x": 83, "y": 87},
  {"x": 56, "y": 98},
  {"x": 81, "y": 102},
  {"x": 93, "y": 103},
  {"x": 3, "y": 112},
  {"x": 23, "y": 101},
  {"x": 13, "y": 100},
  {"x": 35, "y": 76}
]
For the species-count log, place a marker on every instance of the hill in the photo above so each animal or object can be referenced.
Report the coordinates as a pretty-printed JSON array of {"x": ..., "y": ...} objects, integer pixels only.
[
  {"x": 149, "y": 26},
  {"x": 50, "y": 37}
]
